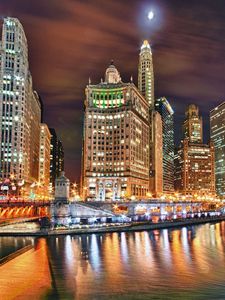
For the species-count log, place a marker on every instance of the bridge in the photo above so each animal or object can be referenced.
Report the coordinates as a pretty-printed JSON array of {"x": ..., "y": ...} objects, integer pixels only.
[
  {"x": 154, "y": 207},
  {"x": 28, "y": 210},
  {"x": 23, "y": 209}
]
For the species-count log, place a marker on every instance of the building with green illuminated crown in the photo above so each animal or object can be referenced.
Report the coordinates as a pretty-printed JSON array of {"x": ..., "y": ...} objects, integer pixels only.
[{"x": 115, "y": 140}]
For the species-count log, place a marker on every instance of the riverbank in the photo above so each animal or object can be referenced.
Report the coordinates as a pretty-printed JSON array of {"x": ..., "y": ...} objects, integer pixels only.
[
  {"x": 25, "y": 274},
  {"x": 13, "y": 255},
  {"x": 119, "y": 228}
]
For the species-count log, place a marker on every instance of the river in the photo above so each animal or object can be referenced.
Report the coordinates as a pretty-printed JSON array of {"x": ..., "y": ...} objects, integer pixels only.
[{"x": 186, "y": 263}]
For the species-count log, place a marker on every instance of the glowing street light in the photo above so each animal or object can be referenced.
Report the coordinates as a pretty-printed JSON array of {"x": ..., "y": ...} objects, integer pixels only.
[{"x": 149, "y": 195}]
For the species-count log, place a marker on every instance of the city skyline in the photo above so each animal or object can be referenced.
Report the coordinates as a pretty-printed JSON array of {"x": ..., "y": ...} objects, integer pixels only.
[
  {"x": 61, "y": 85},
  {"x": 112, "y": 149}
]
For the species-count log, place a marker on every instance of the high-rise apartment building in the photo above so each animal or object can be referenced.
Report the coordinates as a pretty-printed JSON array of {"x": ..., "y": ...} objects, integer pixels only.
[
  {"x": 56, "y": 158},
  {"x": 20, "y": 110},
  {"x": 167, "y": 114},
  {"x": 194, "y": 161},
  {"x": 116, "y": 140},
  {"x": 217, "y": 134},
  {"x": 44, "y": 159}
]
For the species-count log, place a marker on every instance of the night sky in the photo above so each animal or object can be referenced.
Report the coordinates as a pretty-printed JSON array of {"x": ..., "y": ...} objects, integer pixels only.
[{"x": 70, "y": 41}]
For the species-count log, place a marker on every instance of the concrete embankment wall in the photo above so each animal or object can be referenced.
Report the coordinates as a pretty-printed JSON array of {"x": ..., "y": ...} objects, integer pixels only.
[
  {"x": 13, "y": 255},
  {"x": 119, "y": 228},
  {"x": 138, "y": 227}
]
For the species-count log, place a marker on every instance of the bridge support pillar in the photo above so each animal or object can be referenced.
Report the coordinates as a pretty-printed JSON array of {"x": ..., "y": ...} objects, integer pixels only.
[
  {"x": 174, "y": 209},
  {"x": 163, "y": 211},
  {"x": 131, "y": 210},
  {"x": 148, "y": 213},
  {"x": 184, "y": 209},
  {"x": 103, "y": 219}
]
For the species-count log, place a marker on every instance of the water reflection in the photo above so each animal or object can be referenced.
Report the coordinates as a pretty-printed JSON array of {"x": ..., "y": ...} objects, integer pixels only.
[
  {"x": 9, "y": 245},
  {"x": 140, "y": 265}
]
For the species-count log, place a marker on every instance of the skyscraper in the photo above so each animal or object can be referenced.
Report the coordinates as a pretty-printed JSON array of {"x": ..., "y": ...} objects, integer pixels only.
[
  {"x": 192, "y": 127},
  {"x": 164, "y": 108},
  {"x": 156, "y": 155},
  {"x": 20, "y": 110},
  {"x": 145, "y": 73},
  {"x": 146, "y": 87},
  {"x": 33, "y": 121},
  {"x": 116, "y": 140},
  {"x": 44, "y": 159},
  {"x": 56, "y": 158},
  {"x": 195, "y": 174},
  {"x": 217, "y": 133}
]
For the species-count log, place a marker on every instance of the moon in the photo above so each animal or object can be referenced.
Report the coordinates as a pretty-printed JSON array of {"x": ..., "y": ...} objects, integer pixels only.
[{"x": 151, "y": 15}]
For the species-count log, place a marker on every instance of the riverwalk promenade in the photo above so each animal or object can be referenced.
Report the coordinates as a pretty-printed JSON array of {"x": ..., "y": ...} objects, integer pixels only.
[{"x": 104, "y": 228}]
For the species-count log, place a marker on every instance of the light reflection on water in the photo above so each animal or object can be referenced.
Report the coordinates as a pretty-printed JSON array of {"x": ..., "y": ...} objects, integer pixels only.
[
  {"x": 9, "y": 245},
  {"x": 186, "y": 263}
]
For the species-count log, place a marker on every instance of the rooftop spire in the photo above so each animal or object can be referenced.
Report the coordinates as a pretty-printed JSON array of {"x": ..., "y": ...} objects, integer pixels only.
[
  {"x": 145, "y": 45},
  {"x": 111, "y": 74}
]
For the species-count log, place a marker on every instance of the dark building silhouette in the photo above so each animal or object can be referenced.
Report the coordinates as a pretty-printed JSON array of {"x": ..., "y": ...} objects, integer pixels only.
[{"x": 56, "y": 158}]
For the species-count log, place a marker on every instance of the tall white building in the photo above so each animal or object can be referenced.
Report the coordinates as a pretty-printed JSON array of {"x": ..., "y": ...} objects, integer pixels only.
[
  {"x": 146, "y": 87},
  {"x": 20, "y": 110},
  {"x": 145, "y": 73}
]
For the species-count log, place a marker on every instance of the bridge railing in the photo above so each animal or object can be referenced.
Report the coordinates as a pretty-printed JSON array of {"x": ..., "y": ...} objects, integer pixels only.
[{"x": 24, "y": 202}]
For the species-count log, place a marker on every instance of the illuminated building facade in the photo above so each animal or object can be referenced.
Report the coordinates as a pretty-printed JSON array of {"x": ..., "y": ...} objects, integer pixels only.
[
  {"x": 217, "y": 133},
  {"x": 156, "y": 152},
  {"x": 44, "y": 158},
  {"x": 195, "y": 173},
  {"x": 194, "y": 161},
  {"x": 20, "y": 110},
  {"x": 164, "y": 108},
  {"x": 116, "y": 140},
  {"x": 146, "y": 87},
  {"x": 33, "y": 121},
  {"x": 145, "y": 73},
  {"x": 192, "y": 127},
  {"x": 56, "y": 158}
]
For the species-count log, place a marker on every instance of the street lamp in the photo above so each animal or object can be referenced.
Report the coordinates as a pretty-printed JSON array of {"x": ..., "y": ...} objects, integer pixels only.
[{"x": 149, "y": 195}]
